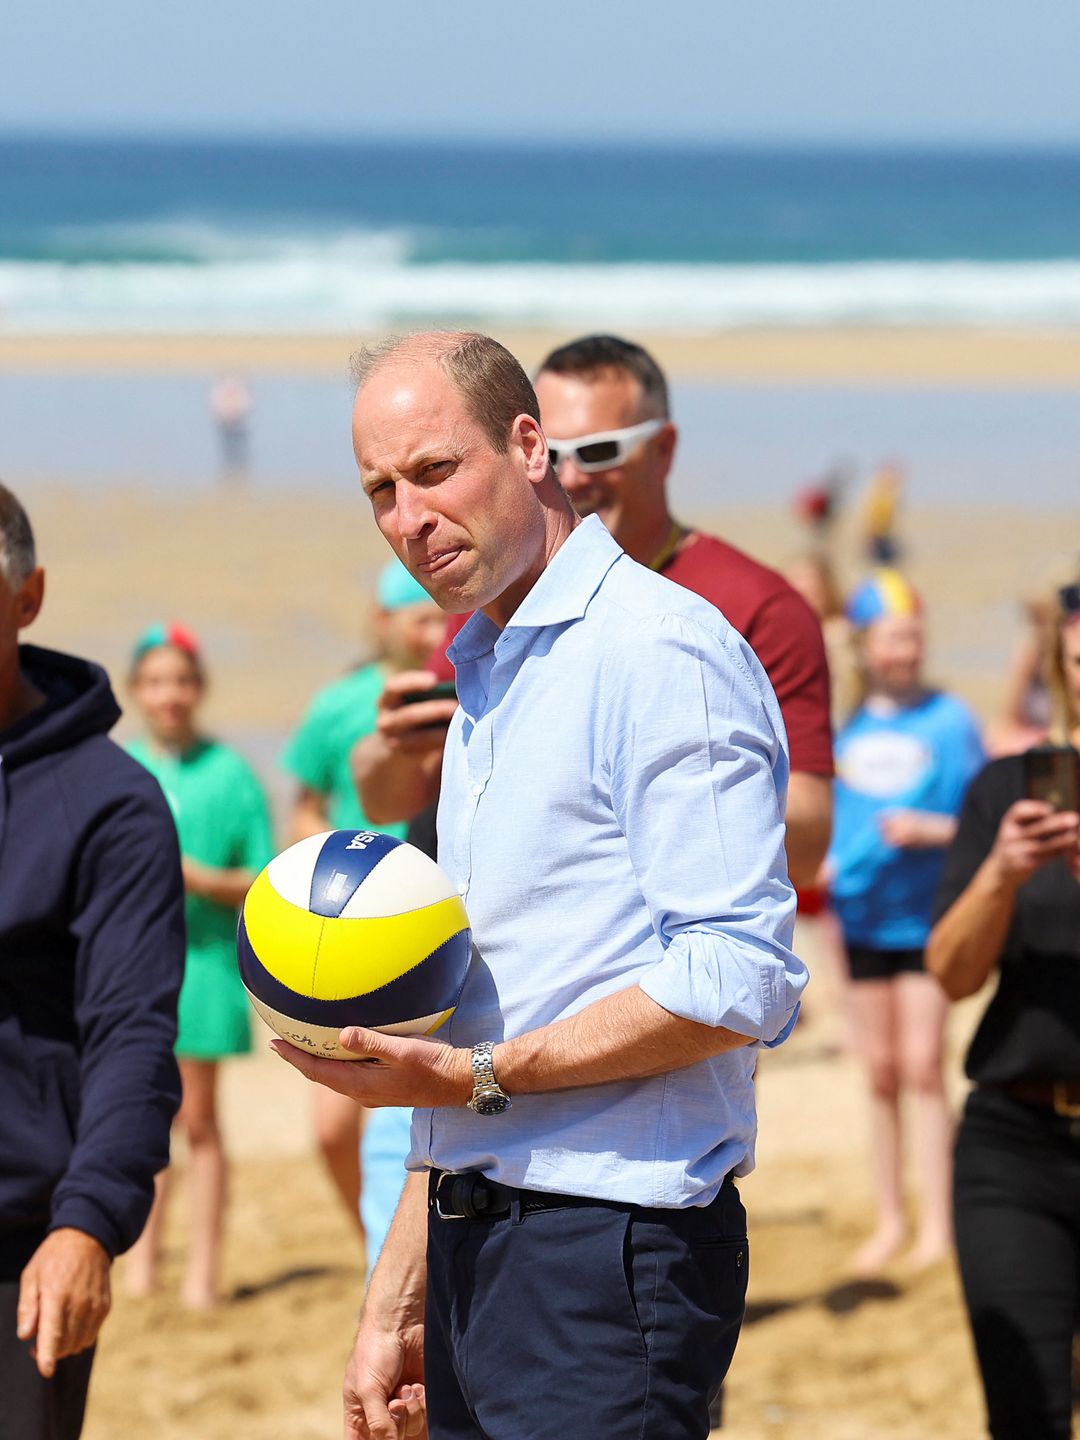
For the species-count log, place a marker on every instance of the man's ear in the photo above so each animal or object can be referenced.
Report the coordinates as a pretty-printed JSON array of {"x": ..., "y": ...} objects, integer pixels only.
[
  {"x": 665, "y": 443},
  {"x": 29, "y": 600},
  {"x": 530, "y": 439}
]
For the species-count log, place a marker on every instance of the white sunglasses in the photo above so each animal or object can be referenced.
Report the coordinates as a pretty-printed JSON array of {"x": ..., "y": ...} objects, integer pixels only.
[{"x": 604, "y": 450}]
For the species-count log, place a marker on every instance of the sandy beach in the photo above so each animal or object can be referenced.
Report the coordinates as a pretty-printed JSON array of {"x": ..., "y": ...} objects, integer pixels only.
[
  {"x": 274, "y": 583},
  {"x": 856, "y": 356}
]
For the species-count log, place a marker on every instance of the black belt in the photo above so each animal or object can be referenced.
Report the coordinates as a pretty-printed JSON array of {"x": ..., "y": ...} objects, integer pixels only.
[
  {"x": 469, "y": 1195},
  {"x": 1060, "y": 1096},
  {"x": 472, "y": 1196}
]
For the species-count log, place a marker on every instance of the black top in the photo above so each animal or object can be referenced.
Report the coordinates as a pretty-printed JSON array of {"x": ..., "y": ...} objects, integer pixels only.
[{"x": 1031, "y": 1028}]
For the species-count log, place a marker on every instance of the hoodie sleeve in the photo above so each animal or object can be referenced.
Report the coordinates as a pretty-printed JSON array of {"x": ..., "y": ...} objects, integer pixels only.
[{"x": 129, "y": 929}]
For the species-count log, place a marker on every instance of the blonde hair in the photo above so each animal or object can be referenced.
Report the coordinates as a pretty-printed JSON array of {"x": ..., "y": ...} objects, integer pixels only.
[{"x": 1064, "y": 715}]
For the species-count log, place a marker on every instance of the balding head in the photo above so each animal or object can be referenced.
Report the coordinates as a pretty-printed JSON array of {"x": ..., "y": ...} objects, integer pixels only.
[
  {"x": 453, "y": 460},
  {"x": 488, "y": 378}
]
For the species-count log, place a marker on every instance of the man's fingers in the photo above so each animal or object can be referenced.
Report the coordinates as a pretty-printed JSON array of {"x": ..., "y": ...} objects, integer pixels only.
[
  {"x": 370, "y": 1043},
  {"x": 48, "y": 1347},
  {"x": 409, "y": 1411},
  {"x": 381, "y": 1425},
  {"x": 26, "y": 1315},
  {"x": 334, "y": 1074}
]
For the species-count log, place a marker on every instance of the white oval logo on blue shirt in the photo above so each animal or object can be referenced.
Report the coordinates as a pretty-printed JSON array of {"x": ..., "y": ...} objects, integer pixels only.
[{"x": 883, "y": 765}]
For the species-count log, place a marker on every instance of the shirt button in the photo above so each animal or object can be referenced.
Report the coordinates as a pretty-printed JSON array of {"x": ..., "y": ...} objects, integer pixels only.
[
  {"x": 477, "y": 790},
  {"x": 463, "y": 889}
]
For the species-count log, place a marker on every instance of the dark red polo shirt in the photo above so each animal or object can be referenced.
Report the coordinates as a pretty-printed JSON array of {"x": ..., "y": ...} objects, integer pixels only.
[{"x": 776, "y": 623}]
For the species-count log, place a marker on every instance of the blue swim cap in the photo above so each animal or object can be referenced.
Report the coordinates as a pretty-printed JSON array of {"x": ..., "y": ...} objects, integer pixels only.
[{"x": 397, "y": 588}]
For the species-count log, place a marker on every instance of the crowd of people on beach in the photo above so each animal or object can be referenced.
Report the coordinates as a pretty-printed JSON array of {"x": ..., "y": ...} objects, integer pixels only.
[{"x": 927, "y": 852}]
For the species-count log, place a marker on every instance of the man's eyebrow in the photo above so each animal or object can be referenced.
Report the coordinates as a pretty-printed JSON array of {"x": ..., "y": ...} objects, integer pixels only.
[{"x": 452, "y": 449}]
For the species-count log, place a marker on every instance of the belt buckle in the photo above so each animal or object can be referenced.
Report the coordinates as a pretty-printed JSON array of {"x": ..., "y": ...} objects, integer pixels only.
[
  {"x": 439, "y": 1211},
  {"x": 1062, "y": 1104}
]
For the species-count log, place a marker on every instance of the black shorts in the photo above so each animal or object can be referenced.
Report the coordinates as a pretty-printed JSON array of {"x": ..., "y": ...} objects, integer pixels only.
[{"x": 867, "y": 963}]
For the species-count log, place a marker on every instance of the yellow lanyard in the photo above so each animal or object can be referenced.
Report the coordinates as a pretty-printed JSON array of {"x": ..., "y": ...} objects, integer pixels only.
[{"x": 671, "y": 544}]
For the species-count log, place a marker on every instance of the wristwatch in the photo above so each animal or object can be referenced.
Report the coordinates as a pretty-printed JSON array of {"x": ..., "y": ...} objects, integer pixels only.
[{"x": 488, "y": 1096}]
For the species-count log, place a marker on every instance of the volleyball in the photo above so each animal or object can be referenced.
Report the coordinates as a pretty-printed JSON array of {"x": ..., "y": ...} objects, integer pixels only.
[{"x": 352, "y": 928}]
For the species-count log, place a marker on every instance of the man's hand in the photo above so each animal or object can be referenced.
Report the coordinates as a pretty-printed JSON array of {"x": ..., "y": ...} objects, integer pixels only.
[
  {"x": 1030, "y": 835},
  {"x": 384, "y": 1391},
  {"x": 418, "y": 726},
  {"x": 63, "y": 1297},
  {"x": 399, "y": 1070},
  {"x": 917, "y": 829}
]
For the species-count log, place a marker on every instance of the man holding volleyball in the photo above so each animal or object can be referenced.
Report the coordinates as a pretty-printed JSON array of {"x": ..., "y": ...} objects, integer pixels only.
[{"x": 569, "y": 1255}]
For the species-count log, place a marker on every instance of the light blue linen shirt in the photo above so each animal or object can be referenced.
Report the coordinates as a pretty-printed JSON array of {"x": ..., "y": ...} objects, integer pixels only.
[{"x": 612, "y": 801}]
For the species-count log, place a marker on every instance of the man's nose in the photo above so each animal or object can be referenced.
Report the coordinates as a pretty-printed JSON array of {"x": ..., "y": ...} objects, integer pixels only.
[
  {"x": 414, "y": 511},
  {"x": 570, "y": 477}
]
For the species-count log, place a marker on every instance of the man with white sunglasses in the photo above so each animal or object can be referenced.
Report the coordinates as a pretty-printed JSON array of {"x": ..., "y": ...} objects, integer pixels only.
[{"x": 604, "y": 406}]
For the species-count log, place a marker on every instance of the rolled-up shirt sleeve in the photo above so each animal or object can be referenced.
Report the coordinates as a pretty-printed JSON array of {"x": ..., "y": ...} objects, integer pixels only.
[{"x": 695, "y": 757}]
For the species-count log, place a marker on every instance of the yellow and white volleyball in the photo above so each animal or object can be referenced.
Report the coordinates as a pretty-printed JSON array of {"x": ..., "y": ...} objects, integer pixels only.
[{"x": 352, "y": 928}]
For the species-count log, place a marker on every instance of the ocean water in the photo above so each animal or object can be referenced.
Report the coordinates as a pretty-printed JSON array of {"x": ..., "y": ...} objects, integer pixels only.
[{"x": 175, "y": 236}]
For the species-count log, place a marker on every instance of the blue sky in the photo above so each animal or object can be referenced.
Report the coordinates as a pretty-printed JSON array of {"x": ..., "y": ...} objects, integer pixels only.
[{"x": 838, "y": 71}]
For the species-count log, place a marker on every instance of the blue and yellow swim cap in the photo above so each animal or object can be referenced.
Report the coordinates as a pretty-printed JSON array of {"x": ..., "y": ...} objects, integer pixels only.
[{"x": 885, "y": 593}]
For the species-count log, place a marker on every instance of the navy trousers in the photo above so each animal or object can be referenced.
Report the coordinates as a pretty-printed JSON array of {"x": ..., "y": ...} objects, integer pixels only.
[
  {"x": 32, "y": 1408},
  {"x": 594, "y": 1319},
  {"x": 1017, "y": 1194}
]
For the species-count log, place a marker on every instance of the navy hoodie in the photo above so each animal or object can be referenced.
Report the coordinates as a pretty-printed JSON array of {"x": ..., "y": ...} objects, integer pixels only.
[{"x": 91, "y": 959}]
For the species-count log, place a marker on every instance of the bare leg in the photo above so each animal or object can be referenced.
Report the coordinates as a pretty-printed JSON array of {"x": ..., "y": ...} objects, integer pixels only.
[
  {"x": 873, "y": 1012},
  {"x": 922, "y": 1008},
  {"x": 206, "y": 1182},
  {"x": 338, "y": 1122},
  {"x": 142, "y": 1260}
]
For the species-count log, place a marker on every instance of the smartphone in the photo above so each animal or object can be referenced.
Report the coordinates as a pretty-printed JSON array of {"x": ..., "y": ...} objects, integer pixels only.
[
  {"x": 1052, "y": 773},
  {"x": 444, "y": 690}
]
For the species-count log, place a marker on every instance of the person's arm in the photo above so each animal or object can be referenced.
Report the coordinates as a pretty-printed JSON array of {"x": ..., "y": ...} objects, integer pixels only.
[
  {"x": 223, "y": 886},
  {"x": 786, "y": 637},
  {"x": 129, "y": 929},
  {"x": 251, "y": 848},
  {"x": 967, "y": 941},
  {"x": 384, "y": 1389},
  {"x": 396, "y": 769},
  {"x": 625, "y": 1036},
  {"x": 808, "y": 820},
  {"x": 917, "y": 829},
  {"x": 309, "y": 814}
]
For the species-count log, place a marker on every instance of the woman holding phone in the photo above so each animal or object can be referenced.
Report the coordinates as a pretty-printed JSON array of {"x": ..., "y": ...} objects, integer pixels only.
[{"x": 1009, "y": 901}]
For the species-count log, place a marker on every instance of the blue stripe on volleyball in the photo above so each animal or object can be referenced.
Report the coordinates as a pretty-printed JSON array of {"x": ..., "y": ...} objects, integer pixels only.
[
  {"x": 430, "y": 987},
  {"x": 345, "y": 861}
]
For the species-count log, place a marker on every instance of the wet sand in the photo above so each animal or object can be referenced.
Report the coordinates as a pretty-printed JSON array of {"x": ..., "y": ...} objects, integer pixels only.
[{"x": 870, "y": 356}]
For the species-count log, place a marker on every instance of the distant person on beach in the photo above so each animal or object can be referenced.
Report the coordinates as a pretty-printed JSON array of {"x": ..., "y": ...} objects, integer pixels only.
[
  {"x": 1009, "y": 902},
  {"x": 569, "y": 1255},
  {"x": 407, "y": 626},
  {"x": 1025, "y": 715},
  {"x": 903, "y": 762},
  {"x": 223, "y": 823},
  {"x": 91, "y": 958},
  {"x": 604, "y": 401},
  {"x": 879, "y": 511},
  {"x": 230, "y": 406}
]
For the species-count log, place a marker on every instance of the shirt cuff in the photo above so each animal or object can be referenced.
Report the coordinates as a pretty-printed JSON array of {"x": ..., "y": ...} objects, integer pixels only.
[
  {"x": 76, "y": 1212},
  {"x": 739, "y": 984}
]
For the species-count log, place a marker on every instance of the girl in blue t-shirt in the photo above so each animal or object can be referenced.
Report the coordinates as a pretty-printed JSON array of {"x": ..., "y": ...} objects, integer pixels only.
[{"x": 903, "y": 762}]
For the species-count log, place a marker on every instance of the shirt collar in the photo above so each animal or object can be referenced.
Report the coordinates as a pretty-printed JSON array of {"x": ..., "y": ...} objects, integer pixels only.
[{"x": 561, "y": 594}]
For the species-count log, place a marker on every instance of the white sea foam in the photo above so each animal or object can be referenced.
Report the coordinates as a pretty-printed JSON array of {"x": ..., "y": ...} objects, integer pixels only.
[{"x": 360, "y": 280}]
